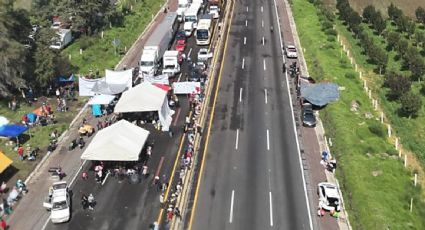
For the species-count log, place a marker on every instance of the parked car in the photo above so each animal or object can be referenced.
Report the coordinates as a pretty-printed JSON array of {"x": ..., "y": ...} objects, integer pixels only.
[
  {"x": 291, "y": 51},
  {"x": 180, "y": 45},
  {"x": 196, "y": 73},
  {"x": 58, "y": 202},
  {"x": 203, "y": 55},
  {"x": 215, "y": 11},
  {"x": 308, "y": 117},
  {"x": 180, "y": 35},
  {"x": 329, "y": 198}
]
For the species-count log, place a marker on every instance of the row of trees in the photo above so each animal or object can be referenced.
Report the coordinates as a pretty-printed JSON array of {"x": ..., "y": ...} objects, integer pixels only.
[
  {"x": 377, "y": 55},
  {"x": 29, "y": 62}
]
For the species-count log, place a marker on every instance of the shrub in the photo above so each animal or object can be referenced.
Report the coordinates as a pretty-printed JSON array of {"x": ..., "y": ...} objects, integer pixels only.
[
  {"x": 351, "y": 75},
  {"x": 377, "y": 129},
  {"x": 85, "y": 42}
]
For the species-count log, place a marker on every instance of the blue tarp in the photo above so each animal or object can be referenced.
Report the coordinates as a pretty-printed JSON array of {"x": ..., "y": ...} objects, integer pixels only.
[
  {"x": 65, "y": 79},
  {"x": 96, "y": 110},
  {"x": 12, "y": 130},
  {"x": 320, "y": 94},
  {"x": 32, "y": 117}
]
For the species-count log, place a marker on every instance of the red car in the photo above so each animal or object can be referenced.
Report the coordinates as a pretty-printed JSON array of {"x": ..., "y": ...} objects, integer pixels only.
[{"x": 180, "y": 45}]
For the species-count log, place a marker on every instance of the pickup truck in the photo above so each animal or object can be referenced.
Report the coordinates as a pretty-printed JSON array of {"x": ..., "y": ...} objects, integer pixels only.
[{"x": 58, "y": 202}]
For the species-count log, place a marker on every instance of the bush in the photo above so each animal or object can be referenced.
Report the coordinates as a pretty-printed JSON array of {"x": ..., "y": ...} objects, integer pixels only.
[
  {"x": 377, "y": 129},
  {"x": 351, "y": 75},
  {"x": 85, "y": 42},
  {"x": 331, "y": 32}
]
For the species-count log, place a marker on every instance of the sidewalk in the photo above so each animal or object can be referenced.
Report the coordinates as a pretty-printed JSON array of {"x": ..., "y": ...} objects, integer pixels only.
[{"x": 29, "y": 212}]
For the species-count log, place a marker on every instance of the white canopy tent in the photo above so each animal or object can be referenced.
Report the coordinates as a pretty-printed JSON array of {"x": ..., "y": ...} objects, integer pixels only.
[
  {"x": 146, "y": 97},
  {"x": 121, "y": 141},
  {"x": 101, "y": 99}
]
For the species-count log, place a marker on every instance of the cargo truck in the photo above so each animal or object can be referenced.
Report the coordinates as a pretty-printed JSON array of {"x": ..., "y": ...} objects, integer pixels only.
[
  {"x": 156, "y": 45},
  {"x": 63, "y": 38},
  {"x": 171, "y": 64}
]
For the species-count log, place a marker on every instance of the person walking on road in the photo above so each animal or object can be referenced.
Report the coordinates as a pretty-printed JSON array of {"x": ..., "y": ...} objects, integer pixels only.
[{"x": 91, "y": 201}]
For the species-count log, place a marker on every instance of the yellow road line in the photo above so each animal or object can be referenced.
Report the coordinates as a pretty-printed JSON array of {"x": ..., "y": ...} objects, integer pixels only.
[
  {"x": 170, "y": 181},
  {"x": 195, "y": 202}
]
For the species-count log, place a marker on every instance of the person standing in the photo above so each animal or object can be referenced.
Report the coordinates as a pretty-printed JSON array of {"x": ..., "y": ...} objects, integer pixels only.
[
  {"x": 91, "y": 201},
  {"x": 21, "y": 152},
  {"x": 3, "y": 224}
]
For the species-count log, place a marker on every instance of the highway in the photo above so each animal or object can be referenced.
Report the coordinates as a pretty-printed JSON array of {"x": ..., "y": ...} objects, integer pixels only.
[{"x": 252, "y": 177}]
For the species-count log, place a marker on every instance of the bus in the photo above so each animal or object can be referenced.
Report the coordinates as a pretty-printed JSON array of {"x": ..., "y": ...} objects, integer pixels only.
[{"x": 204, "y": 30}]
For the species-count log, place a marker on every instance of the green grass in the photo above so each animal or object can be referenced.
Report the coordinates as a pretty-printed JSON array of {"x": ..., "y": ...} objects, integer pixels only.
[
  {"x": 39, "y": 135},
  {"x": 373, "y": 202},
  {"x": 101, "y": 54}
]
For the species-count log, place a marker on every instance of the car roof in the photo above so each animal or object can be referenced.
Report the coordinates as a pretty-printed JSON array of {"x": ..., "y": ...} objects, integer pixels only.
[
  {"x": 331, "y": 190},
  {"x": 291, "y": 46}
]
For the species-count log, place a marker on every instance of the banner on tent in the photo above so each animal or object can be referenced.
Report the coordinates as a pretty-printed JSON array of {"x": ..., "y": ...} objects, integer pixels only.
[
  {"x": 161, "y": 79},
  {"x": 187, "y": 87}
]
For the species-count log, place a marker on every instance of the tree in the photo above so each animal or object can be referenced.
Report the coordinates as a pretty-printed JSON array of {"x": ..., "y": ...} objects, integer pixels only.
[
  {"x": 411, "y": 103},
  {"x": 420, "y": 14},
  {"x": 379, "y": 24},
  {"x": 410, "y": 28},
  {"x": 369, "y": 13},
  {"x": 394, "y": 12},
  {"x": 354, "y": 21},
  {"x": 13, "y": 55},
  {"x": 392, "y": 39},
  {"x": 402, "y": 46},
  {"x": 420, "y": 38},
  {"x": 397, "y": 84}
]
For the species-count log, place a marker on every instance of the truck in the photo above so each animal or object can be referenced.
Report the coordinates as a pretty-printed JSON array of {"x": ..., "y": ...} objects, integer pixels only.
[
  {"x": 156, "y": 45},
  {"x": 191, "y": 18},
  {"x": 63, "y": 38},
  {"x": 182, "y": 6},
  {"x": 58, "y": 202},
  {"x": 171, "y": 64},
  {"x": 204, "y": 30}
]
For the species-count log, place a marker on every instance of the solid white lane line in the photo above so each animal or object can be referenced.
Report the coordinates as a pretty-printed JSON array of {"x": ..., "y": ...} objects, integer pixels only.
[
  {"x": 231, "y": 207},
  {"x": 265, "y": 96},
  {"x": 180, "y": 75},
  {"x": 264, "y": 64},
  {"x": 271, "y": 209},
  {"x": 237, "y": 139},
  {"x": 247, "y": 9},
  {"x": 263, "y": 40},
  {"x": 246, "y": 22},
  {"x": 190, "y": 51},
  {"x": 240, "y": 95},
  {"x": 268, "y": 140},
  {"x": 243, "y": 63},
  {"x": 244, "y": 40},
  {"x": 262, "y": 23},
  {"x": 261, "y": 8}
]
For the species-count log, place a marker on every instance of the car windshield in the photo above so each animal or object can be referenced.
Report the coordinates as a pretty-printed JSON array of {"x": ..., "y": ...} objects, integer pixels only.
[
  {"x": 180, "y": 35},
  {"x": 146, "y": 63},
  {"x": 292, "y": 50},
  {"x": 333, "y": 201},
  {"x": 190, "y": 19},
  {"x": 202, "y": 34},
  {"x": 182, "y": 5},
  {"x": 60, "y": 205}
]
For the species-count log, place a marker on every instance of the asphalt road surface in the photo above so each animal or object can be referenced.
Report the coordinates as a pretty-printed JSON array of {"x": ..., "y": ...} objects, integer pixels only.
[{"x": 252, "y": 178}]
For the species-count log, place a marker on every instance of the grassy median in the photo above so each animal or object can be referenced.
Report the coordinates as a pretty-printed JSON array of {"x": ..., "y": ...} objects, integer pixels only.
[
  {"x": 376, "y": 187},
  {"x": 99, "y": 53}
]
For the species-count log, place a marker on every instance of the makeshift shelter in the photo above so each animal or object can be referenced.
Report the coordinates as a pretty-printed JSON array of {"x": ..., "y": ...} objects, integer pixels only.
[
  {"x": 3, "y": 121},
  {"x": 160, "y": 79},
  {"x": 62, "y": 80},
  {"x": 101, "y": 99},
  {"x": 4, "y": 162},
  {"x": 114, "y": 82},
  {"x": 121, "y": 141},
  {"x": 12, "y": 130},
  {"x": 187, "y": 87},
  {"x": 146, "y": 97},
  {"x": 320, "y": 94},
  {"x": 85, "y": 85}
]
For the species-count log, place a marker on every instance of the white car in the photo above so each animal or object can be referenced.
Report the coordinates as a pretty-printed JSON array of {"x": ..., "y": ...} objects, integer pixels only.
[
  {"x": 329, "y": 198},
  {"x": 291, "y": 51},
  {"x": 203, "y": 55},
  {"x": 58, "y": 202},
  {"x": 215, "y": 11}
]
